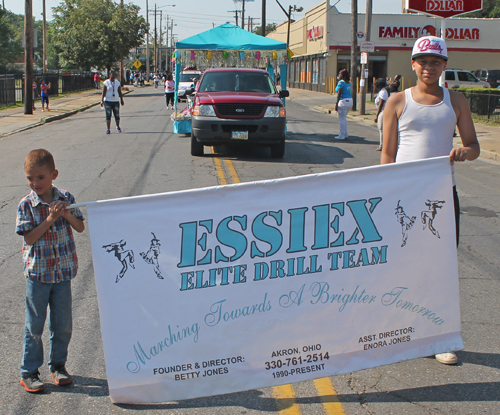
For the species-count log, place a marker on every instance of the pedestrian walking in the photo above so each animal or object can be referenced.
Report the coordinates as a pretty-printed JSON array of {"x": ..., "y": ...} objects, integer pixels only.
[
  {"x": 344, "y": 102},
  {"x": 170, "y": 90},
  {"x": 419, "y": 123},
  {"x": 97, "y": 80},
  {"x": 380, "y": 100},
  {"x": 156, "y": 79},
  {"x": 50, "y": 263},
  {"x": 44, "y": 94},
  {"x": 111, "y": 98}
]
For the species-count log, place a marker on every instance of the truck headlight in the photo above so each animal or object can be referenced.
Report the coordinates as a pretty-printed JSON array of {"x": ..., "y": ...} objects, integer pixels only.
[
  {"x": 204, "y": 110},
  {"x": 275, "y": 111}
]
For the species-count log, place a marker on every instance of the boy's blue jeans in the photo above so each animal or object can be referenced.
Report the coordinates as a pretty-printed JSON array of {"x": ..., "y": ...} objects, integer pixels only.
[{"x": 39, "y": 296}]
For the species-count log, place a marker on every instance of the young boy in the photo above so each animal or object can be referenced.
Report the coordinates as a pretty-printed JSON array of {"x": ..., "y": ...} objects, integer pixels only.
[
  {"x": 419, "y": 122},
  {"x": 50, "y": 263},
  {"x": 44, "y": 93}
]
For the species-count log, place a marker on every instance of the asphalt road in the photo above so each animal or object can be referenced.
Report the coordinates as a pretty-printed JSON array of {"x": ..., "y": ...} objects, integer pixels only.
[{"x": 148, "y": 158}]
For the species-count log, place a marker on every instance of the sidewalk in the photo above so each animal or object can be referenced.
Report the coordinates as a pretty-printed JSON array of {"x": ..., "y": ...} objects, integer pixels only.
[
  {"x": 488, "y": 136},
  {"x": 13, "y": 120}
]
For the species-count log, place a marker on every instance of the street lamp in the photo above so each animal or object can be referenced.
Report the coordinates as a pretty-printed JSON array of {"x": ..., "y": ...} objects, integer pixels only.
[{"x": 289, "y": 17}]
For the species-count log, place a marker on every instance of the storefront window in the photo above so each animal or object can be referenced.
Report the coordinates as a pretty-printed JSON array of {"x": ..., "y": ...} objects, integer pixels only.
[
  {"x": 303, "y": 71},
  {"x": 315, "y": 71},
  {"x": 308, "y": 70}
]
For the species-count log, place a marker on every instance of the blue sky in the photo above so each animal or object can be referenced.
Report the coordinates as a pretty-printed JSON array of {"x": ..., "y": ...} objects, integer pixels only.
[{"x": 194, "y": 16}]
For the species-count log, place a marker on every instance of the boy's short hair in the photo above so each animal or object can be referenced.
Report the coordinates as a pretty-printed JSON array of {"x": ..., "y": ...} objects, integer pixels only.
[{"x": 40, "y": 158}]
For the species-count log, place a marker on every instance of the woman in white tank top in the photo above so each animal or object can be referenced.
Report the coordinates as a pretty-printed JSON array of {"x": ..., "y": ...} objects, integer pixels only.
[{"x": 419, "y": 122}]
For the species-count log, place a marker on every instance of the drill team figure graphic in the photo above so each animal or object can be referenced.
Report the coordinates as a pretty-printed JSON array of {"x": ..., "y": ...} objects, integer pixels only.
[
  {"x": 126, "y": 257},
  {"x": 429, "y": 215},
  {"x": 405, "y": 221},
  {"x": 151, "y": 256}
]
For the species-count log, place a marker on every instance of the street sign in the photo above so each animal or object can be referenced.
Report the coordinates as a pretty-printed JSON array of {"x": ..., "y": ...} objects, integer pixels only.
[
  {"x": 444, "y": 8},
  {"x": 367, "y": 47},
  {"x": 360, "y": 35},
  {"x": 137, "y": 64}
]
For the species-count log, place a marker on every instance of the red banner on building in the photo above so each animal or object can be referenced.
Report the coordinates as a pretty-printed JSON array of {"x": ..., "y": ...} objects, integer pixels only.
[{"x": 444, "y": 8}]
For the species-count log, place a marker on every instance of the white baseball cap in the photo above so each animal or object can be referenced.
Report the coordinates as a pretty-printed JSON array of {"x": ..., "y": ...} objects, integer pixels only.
[{"x": 430, "y": 45}]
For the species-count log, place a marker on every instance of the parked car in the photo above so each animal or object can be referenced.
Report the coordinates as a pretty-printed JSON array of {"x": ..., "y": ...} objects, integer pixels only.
[
  {"x": 238, "y": 106},
  {"x": 458, "y": 78},
  {"x": 187, "y": 80},
  {"x": 492, "y": 76}
]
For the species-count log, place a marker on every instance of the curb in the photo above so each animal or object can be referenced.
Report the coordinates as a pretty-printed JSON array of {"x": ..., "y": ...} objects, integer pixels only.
[
  {"x": 50, "y": 119},
  {"x": 55, "y": 117}
]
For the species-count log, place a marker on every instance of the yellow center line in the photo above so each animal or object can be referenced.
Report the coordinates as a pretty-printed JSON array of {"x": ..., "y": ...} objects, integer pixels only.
[
  {"x": 285, "y": 400},
  {"x": 219, "y": 169},
  {"x": 285, "y": 394},
  {"x": 232, "y": 171},
  {"x": 328, "y": 396}
]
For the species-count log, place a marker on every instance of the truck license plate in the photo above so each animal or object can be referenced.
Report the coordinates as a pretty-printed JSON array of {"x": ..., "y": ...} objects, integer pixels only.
[{"x": 239, "y": 135}]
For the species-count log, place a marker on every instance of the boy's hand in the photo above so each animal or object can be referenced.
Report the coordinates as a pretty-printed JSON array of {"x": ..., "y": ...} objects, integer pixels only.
[
  {"x": 56, "y": 209},
  {"x": 458, "y": 154},
  {"x": 59, "y": 208}
]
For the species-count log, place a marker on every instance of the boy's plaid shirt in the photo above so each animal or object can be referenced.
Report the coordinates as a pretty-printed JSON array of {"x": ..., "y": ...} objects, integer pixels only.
[{"x": 53, "y": 257}]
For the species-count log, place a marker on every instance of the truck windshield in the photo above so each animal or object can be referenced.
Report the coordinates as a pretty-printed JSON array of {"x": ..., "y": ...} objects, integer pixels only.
[
  {"x": 189, "y": 77},
  {"x": 237, "y": 81}
]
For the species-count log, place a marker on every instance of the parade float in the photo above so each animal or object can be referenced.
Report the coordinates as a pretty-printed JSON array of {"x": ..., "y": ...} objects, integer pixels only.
[{"x": 226, "y": 46}]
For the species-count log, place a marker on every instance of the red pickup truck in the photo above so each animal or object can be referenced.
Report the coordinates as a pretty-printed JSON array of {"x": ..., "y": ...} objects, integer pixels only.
[{"x": 237, "y": 106}]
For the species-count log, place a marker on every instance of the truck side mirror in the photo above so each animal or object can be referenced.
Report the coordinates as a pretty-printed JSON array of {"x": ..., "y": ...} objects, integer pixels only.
[{"x": 284, "y": 93}]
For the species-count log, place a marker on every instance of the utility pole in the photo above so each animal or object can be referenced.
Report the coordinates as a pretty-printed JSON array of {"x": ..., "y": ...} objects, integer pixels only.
[
  {"x": 167, "y": 61},
  {"x": 28, "y": 57},
  {"x": 159, "y": 46},
  {"x": 368, "y": 28},
  {"x": 122, "y": 77},
  {"x": 235, "y": 15},
  {"x": 289, "y": 17},
  {"x": 156, "y": 34},
  {"x": 147, "y": 39},
  {"x": 354, "y": 52},
  {"x": 44, "y": 53},
  {"x": 243, "y": 14},
  {"x": 263, "y": 26}
]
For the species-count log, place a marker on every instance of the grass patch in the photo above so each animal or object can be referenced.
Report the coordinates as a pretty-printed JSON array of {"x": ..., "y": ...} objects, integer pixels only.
[
  {"x": 495, "y": 121},
  {"x": 8, "y": 107}
]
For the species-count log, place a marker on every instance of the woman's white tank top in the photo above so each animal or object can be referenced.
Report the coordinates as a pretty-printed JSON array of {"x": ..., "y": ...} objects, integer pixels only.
[{"x": 425, "y": 131}]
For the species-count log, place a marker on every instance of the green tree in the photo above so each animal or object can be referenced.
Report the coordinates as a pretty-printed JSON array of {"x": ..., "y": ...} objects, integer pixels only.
[
  {"x": 270, "y": 27},
  {"x": 491, "y": 8},
  {"x": 95, "y": 33},
  {"x": 10, "y": 43}
]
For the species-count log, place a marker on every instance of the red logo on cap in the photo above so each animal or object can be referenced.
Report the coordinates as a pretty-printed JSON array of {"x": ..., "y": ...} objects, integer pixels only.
[{"x": 427, "y": 45}]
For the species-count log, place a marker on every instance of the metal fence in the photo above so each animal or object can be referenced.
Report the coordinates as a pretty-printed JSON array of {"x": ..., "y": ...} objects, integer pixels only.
[
  {"x": 12, "y": 87},
  {"x": 484, "y": 104}
]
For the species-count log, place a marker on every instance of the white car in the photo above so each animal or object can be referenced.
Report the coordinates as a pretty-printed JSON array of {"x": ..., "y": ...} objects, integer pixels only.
[
  {"x": 187, "y": 80},
  {"x": 458, "y": 78}
]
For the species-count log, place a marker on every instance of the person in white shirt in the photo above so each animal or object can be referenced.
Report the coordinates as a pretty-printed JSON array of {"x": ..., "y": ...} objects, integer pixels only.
[
  {"x": 111, "y": 98},
  {"x": 419, "y": 123},
  {"x": 380, "y": 100}
]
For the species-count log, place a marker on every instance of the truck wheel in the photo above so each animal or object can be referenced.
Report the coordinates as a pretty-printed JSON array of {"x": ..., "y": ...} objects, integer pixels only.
[
  {"x": 196, "y": 147},
  {"x": 278, "y": 150}
]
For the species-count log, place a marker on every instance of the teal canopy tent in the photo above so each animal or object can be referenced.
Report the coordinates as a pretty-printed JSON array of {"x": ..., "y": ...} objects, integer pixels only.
[{"x": 230, "y": 37}]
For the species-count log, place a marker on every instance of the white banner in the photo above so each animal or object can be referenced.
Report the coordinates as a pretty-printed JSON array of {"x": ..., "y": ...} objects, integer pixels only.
[{"x": 231, "y": 288}]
